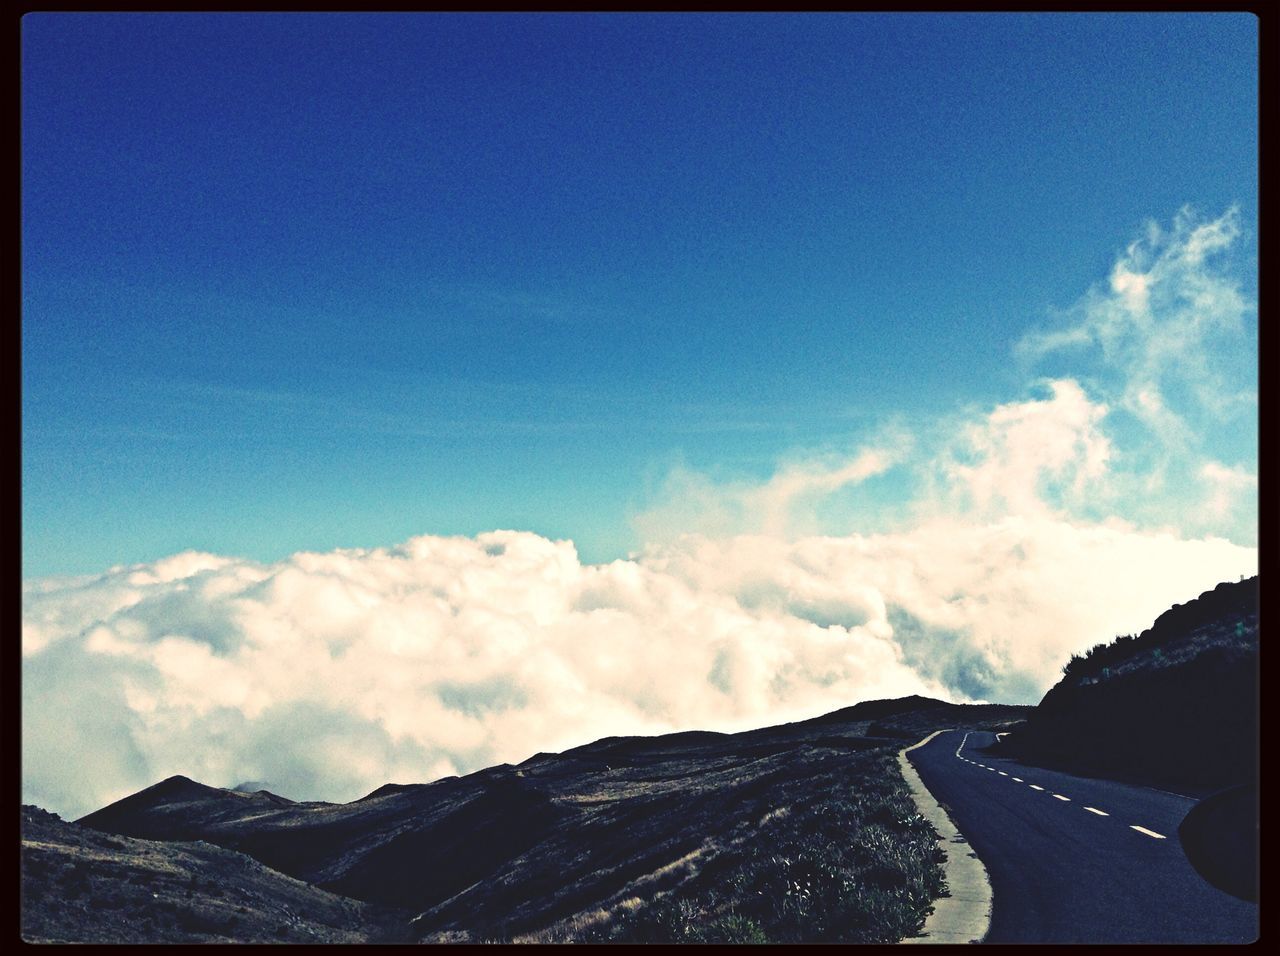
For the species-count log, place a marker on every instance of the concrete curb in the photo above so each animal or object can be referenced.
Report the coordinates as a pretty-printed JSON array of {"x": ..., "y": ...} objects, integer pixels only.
[{"x": 965, "y": 915}]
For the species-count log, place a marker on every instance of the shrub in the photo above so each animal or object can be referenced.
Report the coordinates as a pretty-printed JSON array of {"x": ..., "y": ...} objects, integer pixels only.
[
  {"x": 857, "y": 864},
  {"x": 733, "y": 929}
]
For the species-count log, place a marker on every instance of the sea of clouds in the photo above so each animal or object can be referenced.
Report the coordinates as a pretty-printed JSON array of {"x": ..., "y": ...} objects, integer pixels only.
[{"x": 1041, "y": 527}]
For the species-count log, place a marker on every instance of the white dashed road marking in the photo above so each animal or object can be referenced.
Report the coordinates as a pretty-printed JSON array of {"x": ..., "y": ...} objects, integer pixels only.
[{"x": 1056, "y": 796}]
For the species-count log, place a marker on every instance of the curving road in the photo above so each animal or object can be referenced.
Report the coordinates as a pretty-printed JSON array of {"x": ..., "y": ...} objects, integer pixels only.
[{"x": 1076, "y": 859}]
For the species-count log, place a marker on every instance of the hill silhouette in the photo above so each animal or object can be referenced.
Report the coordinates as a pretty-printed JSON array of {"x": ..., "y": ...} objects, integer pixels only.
[
  {"x": 695, "y": 836},
  {"x": 82, "y": 885},
  {"x": 1176, "y": 706}
]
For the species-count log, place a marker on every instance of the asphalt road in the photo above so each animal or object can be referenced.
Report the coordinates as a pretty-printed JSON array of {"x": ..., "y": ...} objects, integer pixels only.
[{"x": 1079, "y": 869}]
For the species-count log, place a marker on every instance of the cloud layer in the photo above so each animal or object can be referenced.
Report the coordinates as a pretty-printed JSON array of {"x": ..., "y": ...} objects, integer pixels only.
[
  {"x": 327, "y": 675},
  {"x": 1025, "y": 539}
]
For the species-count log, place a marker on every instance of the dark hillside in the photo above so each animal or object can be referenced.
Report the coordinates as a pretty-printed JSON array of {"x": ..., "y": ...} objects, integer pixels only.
[
  {"x": 803, "y": 831},
  {"x": 1176, "y": 706},
  {"x": 82, "y": 885}
]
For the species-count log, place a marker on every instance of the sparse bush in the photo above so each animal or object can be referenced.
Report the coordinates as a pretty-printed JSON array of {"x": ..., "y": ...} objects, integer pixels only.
[
  {"x": 863, "y": 866},
  {"x": 734, "y": 929}
]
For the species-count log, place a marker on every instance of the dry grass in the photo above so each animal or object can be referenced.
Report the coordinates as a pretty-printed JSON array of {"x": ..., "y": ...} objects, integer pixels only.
[{"x": 844, "y": 864}]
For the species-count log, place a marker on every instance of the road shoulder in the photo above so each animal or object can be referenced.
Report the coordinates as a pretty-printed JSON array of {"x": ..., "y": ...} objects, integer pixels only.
[{"x": 965, "y": 915}]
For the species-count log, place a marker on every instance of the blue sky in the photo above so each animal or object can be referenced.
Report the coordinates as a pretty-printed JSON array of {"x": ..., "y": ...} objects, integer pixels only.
[
  {"x": 316, "y": 281},
  {"x": 403, "y": 395}
]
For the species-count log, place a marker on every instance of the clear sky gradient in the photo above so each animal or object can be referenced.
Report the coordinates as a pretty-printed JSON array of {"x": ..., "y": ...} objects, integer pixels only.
[{"x": 305, "y": 282}]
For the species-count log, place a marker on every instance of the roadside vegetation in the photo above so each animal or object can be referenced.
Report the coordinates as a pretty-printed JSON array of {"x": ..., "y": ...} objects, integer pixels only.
[
  {"x": 1225, "y": 618},
  {"x": 79, "y": 885},
  {"x": 803, "y": 832},
  {"x": 849, "y": 861}
]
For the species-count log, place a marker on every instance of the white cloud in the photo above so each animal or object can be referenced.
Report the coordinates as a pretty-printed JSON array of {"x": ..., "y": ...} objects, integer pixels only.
[
  {"x": 1132, "y": 287},
  {"x": 327, "y": 675},
  {"x": 1034, "y": 529},
  {"x": 1170, "y": 326},
  {"x": 990, "y": 609},
  {"x": 1169, "y": 345},
  {"x": 1226, "y": 487},
  {"x": 1023, "y": 454},
  {"x": 783, "y": 505}
]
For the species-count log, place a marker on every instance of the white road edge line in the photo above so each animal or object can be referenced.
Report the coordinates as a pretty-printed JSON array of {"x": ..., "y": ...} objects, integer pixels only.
[
  {"x": 1150, "y": 833},
  {"x": 1101, "y": 813},
  {"x": 965, "y": 915}
]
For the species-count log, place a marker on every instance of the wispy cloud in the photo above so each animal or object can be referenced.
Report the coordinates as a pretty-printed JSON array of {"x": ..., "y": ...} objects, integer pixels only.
[
  {"x": 1227, "y": 488},
  {"x": 783, "y": 505},
  {"x": 1167, "y": 326}
]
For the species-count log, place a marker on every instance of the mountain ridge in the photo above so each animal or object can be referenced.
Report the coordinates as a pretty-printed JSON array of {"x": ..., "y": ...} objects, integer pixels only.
[{"x": 516, "y": 849}]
